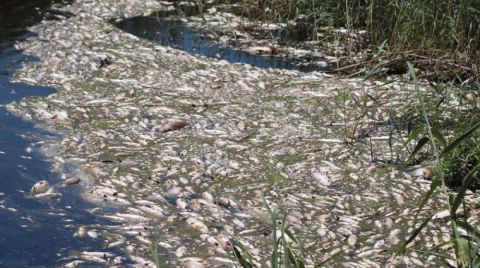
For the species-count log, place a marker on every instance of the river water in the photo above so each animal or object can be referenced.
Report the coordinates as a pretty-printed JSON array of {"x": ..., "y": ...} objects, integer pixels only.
[
  {"x": 33, "y": 232},
  {"x": 165, "y": 28}
]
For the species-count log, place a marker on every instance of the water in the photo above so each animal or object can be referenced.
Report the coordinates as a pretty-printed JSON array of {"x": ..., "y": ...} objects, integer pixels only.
[
  {"x": 164, "y": 29},
  {"x": 32, "y": 232}
]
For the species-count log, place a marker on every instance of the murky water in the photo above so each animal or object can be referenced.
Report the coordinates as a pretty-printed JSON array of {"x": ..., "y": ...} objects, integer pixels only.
[
  {"x": 164, "y": 29},
  {"x": 33, "y": 232}
]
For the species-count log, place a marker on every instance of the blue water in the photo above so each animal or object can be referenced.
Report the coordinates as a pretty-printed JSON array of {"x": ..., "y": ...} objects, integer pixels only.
[
  {"x": 32, "y": 231},
  {"x": 174, "y": 33}
]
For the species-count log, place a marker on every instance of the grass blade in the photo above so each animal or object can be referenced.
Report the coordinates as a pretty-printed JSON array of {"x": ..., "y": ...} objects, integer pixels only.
[
  {"x": 415, "y": 233},
  {"x": 436, "y": 133},
  {"x": 296, "y": 263},
  {"x": 290, "y": 235},
  {"x": 243, "y": 262},
  {"x": 420, "y": 144},
  {"x": 467, "y": 181},
  {"x": 469, "y": 228},
  {"x": 436, "y": 182},
  {"x": 273, "y": 219},
  {"x": 462, "y": 137},
  {"x": 414, "y": 134}
]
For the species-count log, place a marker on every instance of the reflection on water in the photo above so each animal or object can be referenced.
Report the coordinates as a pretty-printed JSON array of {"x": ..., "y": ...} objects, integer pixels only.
[{"x": 170, "y": 32}]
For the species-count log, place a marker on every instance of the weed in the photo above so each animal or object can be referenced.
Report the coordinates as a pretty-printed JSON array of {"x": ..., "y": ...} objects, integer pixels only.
[{"x": 466, "y": 247}]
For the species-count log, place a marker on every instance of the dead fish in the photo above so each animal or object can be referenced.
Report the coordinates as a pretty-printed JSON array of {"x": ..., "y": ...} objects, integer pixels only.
[
  {"x": 197, "y": 224},
  {"x": 116, "y": 244},
  {"x": 71, "y": 181},
  {"x": 258, "y": 50},
  {"x": 423, "y": 172},
  {"x": 193, "y": 264},
  {"x": 74, "y": 264},
  {"x": 39, "y": 187},
  {"x": 181, "y": 204},
  {"x": 226, "y": 202},
  {"x": 208, "y": 196},
  {"x": 132, "y": 217},
  {"x": 152, "y": 210},
  {"x": 80, "y": 232},
  {"x": 103, "y": 255},
  {"x": 224, "y": 260},
  {"x": 93, "y": 234},
  {"x": 181, "y": 251},
  {"x": 93, "y": 259},
  {"x": 352, "y": 240},
  {"x": 173, "y": 125},
  {"x": 321, "y": 178}
]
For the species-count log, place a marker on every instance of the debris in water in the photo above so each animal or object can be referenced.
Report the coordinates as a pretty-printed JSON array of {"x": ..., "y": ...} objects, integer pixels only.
[
  {"x": 71, "y": 181},
  {"x": 39, "y": 187},
  {"x": 173, "y": 125}
]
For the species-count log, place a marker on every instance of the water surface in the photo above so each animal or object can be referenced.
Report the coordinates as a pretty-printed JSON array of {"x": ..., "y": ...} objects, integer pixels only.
[
  {"x": 165, "y": 29},
  {"x": 33, "y": 233}
]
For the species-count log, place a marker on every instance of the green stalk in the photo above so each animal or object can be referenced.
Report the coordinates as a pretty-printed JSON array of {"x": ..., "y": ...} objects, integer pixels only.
[{"x": 460, "y": 256}]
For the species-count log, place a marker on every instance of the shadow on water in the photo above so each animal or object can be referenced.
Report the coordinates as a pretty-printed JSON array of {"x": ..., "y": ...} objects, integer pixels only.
[
  {"x": 163, "y": 28},
  {"x": 33, "y": 232}
]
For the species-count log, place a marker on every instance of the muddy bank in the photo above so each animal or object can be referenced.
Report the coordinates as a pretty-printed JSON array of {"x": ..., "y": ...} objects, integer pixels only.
[{"x": 184, "y": 146}]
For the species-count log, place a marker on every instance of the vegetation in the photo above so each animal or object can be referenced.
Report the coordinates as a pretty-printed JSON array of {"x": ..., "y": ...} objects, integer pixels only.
[
  {"x": 282, "y": 240},
  {"x": 465, "y": 246},
  {"x": 461, "y": 160},
  {"x": 443, "y": 36},
  {"x": 411, "y": 24}
]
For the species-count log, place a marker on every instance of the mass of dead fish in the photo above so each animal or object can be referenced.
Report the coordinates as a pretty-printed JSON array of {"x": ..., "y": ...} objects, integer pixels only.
[{"x": 187, "y": 149}]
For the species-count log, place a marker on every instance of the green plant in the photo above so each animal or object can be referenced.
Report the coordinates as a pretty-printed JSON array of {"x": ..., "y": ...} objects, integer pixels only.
[
  {"x": 442, "y": 37},
  {"x": 282, "y": 240},
  {"x": 461, "y": 159},
  {"x": 154, "y": 249},
  {"x": 465, "y": 247},
  {"x": 283, "y": 244}
]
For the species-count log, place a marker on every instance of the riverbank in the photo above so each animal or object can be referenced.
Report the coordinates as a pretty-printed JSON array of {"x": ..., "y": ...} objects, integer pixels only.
[{"x": 186, "y": 146}]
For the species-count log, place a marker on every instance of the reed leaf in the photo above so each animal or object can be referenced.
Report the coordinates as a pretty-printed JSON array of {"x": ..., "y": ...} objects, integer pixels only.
[
  {"x": 237, "y": 249},
  {"x": 439, "y": 137},
  {"x": 418, "y": 147},
  {"x": 436, "y": 182},
  {"x": 414, "y": 234},
  {"x": 462, "y": 137},
  {"x": 467, "y": 181}
]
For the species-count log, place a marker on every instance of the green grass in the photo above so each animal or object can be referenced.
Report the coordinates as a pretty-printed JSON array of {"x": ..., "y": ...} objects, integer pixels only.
[
  {"x": 458, "y": 152},
  {"x": 283, "y": 242},
  {"x": 425, "y": 24},
  {"x": 275, "y": 177},
  {"x": 444, "y": 36},
  {"x": 462, "y": 159}
]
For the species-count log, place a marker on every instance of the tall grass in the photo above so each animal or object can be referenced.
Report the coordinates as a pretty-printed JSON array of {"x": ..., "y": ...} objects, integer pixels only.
[
  {"x": 465, "y": 246},
  {"x": 287, "y": 250},
  {"x": 282, "y": 239},
  {"x": 443, "y": 35},
  {"x": 406, "y": 24}
]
